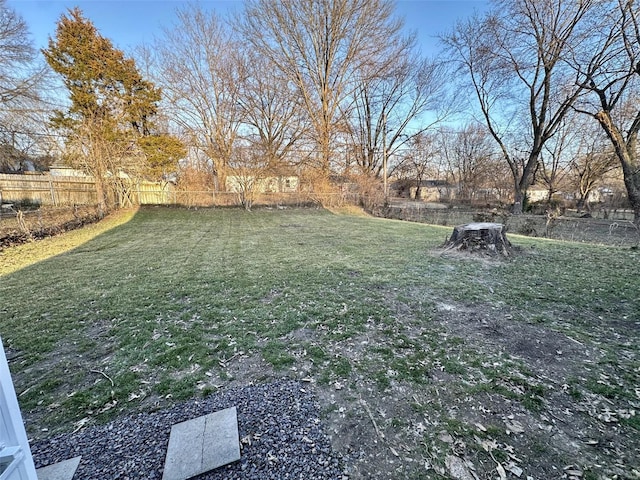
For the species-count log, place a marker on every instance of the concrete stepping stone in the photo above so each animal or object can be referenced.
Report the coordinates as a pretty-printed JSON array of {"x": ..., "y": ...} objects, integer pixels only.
[
  {"x": 64, "y": 470},
  {"x": 202, "y": 444}
]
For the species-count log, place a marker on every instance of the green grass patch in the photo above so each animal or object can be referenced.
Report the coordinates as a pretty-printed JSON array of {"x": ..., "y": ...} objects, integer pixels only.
[{"x": 276, "y": 354}]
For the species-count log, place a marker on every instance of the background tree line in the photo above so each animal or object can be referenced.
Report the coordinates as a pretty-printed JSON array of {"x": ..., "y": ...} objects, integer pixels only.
[{"x": 532, "y": 91}]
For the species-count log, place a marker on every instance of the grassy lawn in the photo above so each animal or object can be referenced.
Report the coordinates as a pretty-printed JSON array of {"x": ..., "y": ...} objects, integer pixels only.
[{"x": 418, "y": 359}]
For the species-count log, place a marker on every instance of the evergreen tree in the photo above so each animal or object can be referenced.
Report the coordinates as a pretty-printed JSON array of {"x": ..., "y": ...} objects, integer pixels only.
[{"x": 109, "y": 123}]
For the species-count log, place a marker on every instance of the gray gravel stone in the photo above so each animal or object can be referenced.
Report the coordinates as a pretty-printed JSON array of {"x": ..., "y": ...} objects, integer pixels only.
[{"x": 279, "y": 426}]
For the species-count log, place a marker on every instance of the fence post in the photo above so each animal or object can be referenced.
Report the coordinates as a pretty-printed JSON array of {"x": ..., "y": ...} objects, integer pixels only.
[{"x": 53, "y": 192}]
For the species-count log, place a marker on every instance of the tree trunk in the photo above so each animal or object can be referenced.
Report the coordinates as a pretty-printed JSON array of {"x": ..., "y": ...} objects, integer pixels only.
[
  {"x": 522, "y": 184},
  {"x": 628, "y": 157},
  {"x": 632, "y": 182},
  {"x": 518, "y": 202},
  {"x": 100, "y": 198},
  {"x": 325, "y": 162}
]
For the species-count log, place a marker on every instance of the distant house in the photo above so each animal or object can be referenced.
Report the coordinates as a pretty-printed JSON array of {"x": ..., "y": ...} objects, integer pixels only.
[
  {"x": 432, "y": 191},
  {"x": 601, "y": 195},
  {"x": 59, "y": 169},
  {"x": 263, "y": 184},
  {"x": 536, "y": 195}
]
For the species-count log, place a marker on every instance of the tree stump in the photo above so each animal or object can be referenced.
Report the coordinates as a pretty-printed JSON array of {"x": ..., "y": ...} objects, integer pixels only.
[{"x": 483, "y": 238}]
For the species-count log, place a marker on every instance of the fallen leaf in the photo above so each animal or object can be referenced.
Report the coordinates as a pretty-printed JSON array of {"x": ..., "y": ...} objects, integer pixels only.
[
  {"x": 488, "y": 445},
  {"x": 445, "y": 437},
  {"x": 514, "y": 426},
  {"x": 80, "y": 423},
  {"x": 513, "y": 468},
  {"x": 458, "y": 470},
  {"x": 572, "y": 471}
]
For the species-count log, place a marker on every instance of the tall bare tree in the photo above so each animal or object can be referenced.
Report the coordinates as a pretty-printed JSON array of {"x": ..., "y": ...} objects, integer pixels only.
[
  {"x": 514, "y": 58},
  {"x": 320, "y": 45},
  {"x": 273, "y": 113},
  {"x": 388, "y": 105},
  {"x": 468, "y": 152},
  {"x": 21, "y": 78},
  {"x": 610, "y": 62},
  {"x": 419, "y": 161},
  {"x": 201, "y": 73}
]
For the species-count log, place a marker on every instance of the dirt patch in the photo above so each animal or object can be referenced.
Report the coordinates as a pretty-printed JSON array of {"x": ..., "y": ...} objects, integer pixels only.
[
  {"x": 555, "y": 353},
  {"x": 488, "y": 393}
]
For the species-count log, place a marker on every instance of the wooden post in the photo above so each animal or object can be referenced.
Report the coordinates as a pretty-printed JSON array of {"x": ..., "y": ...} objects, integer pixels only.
[{"x": 53, "y": 192}]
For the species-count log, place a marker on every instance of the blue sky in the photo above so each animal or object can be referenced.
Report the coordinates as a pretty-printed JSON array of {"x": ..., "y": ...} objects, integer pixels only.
[{"x": 129, "y": 23}]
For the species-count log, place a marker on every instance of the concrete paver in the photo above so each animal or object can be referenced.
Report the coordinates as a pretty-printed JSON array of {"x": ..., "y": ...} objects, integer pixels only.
[
  {"x": 64, "y": 470},
  {"x": 202, "y": 444}
]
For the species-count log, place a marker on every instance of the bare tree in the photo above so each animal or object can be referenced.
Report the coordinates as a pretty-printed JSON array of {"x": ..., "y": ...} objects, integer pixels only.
[
  {"x": 202, "y": 75},
  {"x": 387, "y": 105},
  {"x": 592, "y": 163},
  {"x": 22, "y": 127},
  {"x": 514, "y": 59},
  {"x": 610, "y": 62},
  {"x": 418, "y": 161},
  {"x": 19, "y": 74},
  {"x": 248, "y": 171},
  {"x": 320, "y": 45},
  {"x": 273, "y": 112},
  {"x": 555, "y": 159},
  {"x": 468, "y": 153}
]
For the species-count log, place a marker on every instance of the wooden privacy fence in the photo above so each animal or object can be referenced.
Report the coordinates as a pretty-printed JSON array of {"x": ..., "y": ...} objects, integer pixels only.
[{"x": 46, "y": 189}]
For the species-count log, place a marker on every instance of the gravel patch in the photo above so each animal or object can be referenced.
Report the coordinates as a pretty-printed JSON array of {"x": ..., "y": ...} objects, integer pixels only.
[{"x": 279, "y": 425}]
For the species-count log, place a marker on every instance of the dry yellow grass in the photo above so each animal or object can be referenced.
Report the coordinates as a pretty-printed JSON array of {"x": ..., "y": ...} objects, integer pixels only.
[
  {"x": 352, "y": 210},
  {"x": 20, "y": 256}
]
